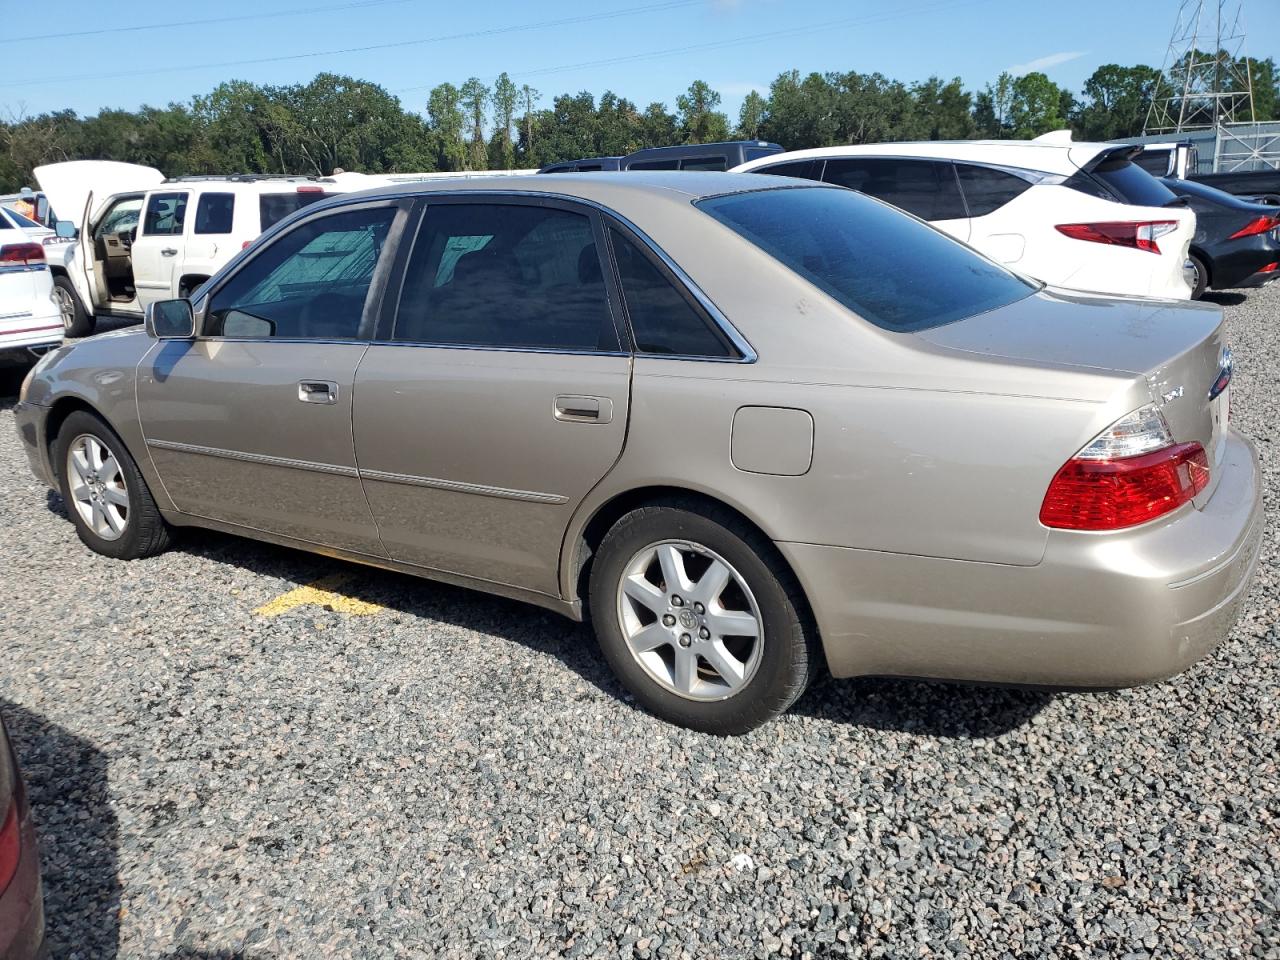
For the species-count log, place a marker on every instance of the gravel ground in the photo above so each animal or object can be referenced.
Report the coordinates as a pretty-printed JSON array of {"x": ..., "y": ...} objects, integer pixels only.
[{"x": 458, "y": 776}]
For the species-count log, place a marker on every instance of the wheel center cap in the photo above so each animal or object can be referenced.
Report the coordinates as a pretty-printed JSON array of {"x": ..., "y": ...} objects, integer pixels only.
[{"x": 688, "y": 619}]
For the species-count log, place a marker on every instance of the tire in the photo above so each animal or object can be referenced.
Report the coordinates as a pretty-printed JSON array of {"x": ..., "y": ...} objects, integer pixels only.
[
  {"x": 75, "y": 321},
  {"x": 766, "y": 676},
  {"x": 1202, "y": 276},
  {"x": 121, "y": 495}
]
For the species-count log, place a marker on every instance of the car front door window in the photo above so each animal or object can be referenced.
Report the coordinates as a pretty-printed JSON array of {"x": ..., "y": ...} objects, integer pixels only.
[{"x": 312, "y": 283}]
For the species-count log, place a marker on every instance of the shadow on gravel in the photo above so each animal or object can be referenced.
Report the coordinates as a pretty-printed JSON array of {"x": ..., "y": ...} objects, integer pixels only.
[
  {"x": 66, "y": 779},
  {"x": 572, "y": 643},
  {"x": 929, "y": 708},
  {"x": 1224, "y": 299}
]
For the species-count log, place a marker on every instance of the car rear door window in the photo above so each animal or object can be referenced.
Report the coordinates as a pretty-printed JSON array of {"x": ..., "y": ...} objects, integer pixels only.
[
  {"x": 665, "y": 318},
  {"x": 926, "y": 188},
  {"x": 986, "y": 190},
  {"x": 704, "y": 163},
  {"x": 513, "y": 276},
  {"x": 311, "y": 283},
  {"x": 274, "y": 207},
  {"x": 655, "y": 165},
  {"x": 165, "y": 215},
  {"x": 885, "y": 267},
  {"x": 1125, "y": 181},
  {"x": 214, "y": 212}
]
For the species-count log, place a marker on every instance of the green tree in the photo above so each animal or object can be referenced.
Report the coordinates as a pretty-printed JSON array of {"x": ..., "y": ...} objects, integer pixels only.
[
  {"x": 658, "y": 126},
  {"x": 700, "y": 121},
  {"x": 1036, "y": 106},
  {"x": 1116, "y": 101},
  {"x": 801, "y": 112},
  {"x": 943, "y": 109},
  {"x": 445, "y": 124},
  {"x": 991, "y": 109},
  {"x": 751, "y": 115},
  {"x": 506, "y": 98},
  {"x": 474, "y": 97}
]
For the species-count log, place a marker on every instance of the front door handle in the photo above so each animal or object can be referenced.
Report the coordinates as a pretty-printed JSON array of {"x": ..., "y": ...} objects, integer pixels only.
[
  {"x": 169, "y": 252},
  {"x": 577, "y": 409},
  {"x": 317, "y": 391}
]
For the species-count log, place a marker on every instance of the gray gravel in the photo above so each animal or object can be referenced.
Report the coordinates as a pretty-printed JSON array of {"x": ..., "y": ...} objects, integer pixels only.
[{"x": 458, "y": 776}]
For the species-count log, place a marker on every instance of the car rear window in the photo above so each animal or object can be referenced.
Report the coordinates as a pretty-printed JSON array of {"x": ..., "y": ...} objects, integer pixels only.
[
  {"x": 890, "y": 269},
  {"x": 1131, "y": 184},
  {"x": 274, "y": 207}
]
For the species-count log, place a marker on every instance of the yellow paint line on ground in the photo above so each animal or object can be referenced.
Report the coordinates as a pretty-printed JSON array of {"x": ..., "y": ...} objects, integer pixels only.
[{"x": 325, "y": 592}]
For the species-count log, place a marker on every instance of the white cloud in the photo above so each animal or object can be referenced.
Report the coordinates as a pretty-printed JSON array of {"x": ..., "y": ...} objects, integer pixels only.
[{"x": 1044, "y": 63}]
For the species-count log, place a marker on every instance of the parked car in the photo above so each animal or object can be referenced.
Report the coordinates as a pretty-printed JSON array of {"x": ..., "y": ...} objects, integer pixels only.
[
  {"x": 12, "y": 219},
  {"x": 29, "y": 319},
  {"x": 1078, "y": 215},
  {"x": 1181, "y": 160},
  {"x": 689, "y": 156},
  {"x": 1237, "y": 243},
  {"x": 21, "y": 899},
  {"x": 749, "y": 423},
  {"x": 136, "y": 243}
]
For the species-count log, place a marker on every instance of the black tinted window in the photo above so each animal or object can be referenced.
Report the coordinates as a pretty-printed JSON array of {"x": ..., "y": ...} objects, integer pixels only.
[
  {"x": 655, "y": 165},
  {"x": 311, "y": 283},
  {"x": 1155, "y": 162},
  {"x": 165, "y": 214},
  {"x": 664, "y": 318},
  {"x": 888, "y": 268},
  {"x": 805, "y": 169},
  {"x": 926, "y": 188},
  {"x": 704, "y": 163},
  {"x": 274, "y": 207},
  {"x": 498, "y": 275},
  {"x": 213, "y": 212},
  {"x": 987, "y": 190},
  {"x": 1131, "y": 184}
]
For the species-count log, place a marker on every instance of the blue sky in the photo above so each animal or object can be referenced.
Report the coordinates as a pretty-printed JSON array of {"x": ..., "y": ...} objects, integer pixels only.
[{"x": 655, "y": 47}]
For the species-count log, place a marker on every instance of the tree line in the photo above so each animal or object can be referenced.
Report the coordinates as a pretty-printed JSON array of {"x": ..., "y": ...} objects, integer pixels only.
[{"x": 337, "y": 122}]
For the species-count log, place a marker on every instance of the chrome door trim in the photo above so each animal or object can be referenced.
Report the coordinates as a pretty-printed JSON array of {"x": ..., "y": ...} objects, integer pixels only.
[
  {"x": 240, "y": 455},
  {"x": 528, "y": 496}
]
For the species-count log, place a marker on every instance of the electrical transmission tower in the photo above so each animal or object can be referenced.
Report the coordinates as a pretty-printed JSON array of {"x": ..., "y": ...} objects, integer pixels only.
[{"x": 1205, "y": 81}]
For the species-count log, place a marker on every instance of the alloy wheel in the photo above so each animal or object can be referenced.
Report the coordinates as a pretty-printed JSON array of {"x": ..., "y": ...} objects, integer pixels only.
[
  {"x": 690, "y": 620},
  {"x": 97, "y": 486},
  {"x": 66, "y": 308}
]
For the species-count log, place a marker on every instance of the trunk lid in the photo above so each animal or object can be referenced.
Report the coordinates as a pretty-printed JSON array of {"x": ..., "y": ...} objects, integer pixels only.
[
  {"x": 1176, "y": 347},
  {"x": 68, "y": 185}
]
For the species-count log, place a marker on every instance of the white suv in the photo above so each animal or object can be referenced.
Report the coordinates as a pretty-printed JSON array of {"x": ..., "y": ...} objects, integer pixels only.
[
  {"x": 1078, "y": 215},
  {"x": 141, "y": 238}
]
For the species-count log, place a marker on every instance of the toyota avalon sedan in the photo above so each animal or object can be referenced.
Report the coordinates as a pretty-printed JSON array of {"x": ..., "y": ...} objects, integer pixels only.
[{"x": 754, "y": 426}]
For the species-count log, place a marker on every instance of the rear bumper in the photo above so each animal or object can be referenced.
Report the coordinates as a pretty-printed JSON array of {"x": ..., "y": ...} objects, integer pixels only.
[
  {"x": 1100, "y": 610},
  {"x": 22, "y": 905},
  {"x": 1238, "y": 266}
]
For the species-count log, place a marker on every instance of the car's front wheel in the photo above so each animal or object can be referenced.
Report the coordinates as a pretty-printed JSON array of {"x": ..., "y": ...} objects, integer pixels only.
[
  {"x": 699, "y": 618},
  {"x": 107, "y": 499},
  {"x": 76, "y": 321}
]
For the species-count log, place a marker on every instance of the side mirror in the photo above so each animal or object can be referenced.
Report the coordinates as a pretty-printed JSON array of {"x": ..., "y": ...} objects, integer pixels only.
[
  {"x": 65, "y": 229},
  {"x": 171, "y": 320}
]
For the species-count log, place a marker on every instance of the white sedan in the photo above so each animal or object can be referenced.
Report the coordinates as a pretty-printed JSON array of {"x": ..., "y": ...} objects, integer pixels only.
[{"x": 30, "y": 321}]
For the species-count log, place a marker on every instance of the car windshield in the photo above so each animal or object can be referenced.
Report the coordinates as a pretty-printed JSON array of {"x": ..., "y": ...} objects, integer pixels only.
[{"x": 885, "y": 266}]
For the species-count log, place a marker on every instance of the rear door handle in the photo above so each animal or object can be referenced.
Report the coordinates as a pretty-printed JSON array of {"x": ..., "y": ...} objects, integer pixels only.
[
  {"x": 577, "y": 409},
  {"x": 317, "y": 391},
  {"x": 169, "y": 252}
]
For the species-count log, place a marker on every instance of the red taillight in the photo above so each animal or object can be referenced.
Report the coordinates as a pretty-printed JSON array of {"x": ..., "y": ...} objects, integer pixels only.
[
  {"x": 10, "y": 843},
  {"x": 311, "y": 189},
  {"x": 245, "y": 245},
  {"x": 1256, "y": 226},
  {"x": 1140, "y": 234},
  {"x": 1111, "y": 494},
  {"x": 25, "y": 253},
  {"x": 1271, "y": 267}
]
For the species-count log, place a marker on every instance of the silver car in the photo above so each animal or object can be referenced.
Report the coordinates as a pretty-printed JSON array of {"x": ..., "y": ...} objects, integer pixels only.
[{"x": 755, "y": 426}]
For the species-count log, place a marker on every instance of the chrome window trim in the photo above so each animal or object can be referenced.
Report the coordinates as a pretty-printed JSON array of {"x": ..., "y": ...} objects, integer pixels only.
[
  {"x": 739, "y": 342},
  {"x": 418, "y": 344}
]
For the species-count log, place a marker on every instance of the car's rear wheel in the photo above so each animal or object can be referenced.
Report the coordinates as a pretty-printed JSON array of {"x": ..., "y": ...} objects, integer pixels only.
[
  {"x": 76, "y": 322},
  {"x": 107, "y": 499},
  {"x": 1199, "y": 276},
  {"x": 700, "y": 619}
]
